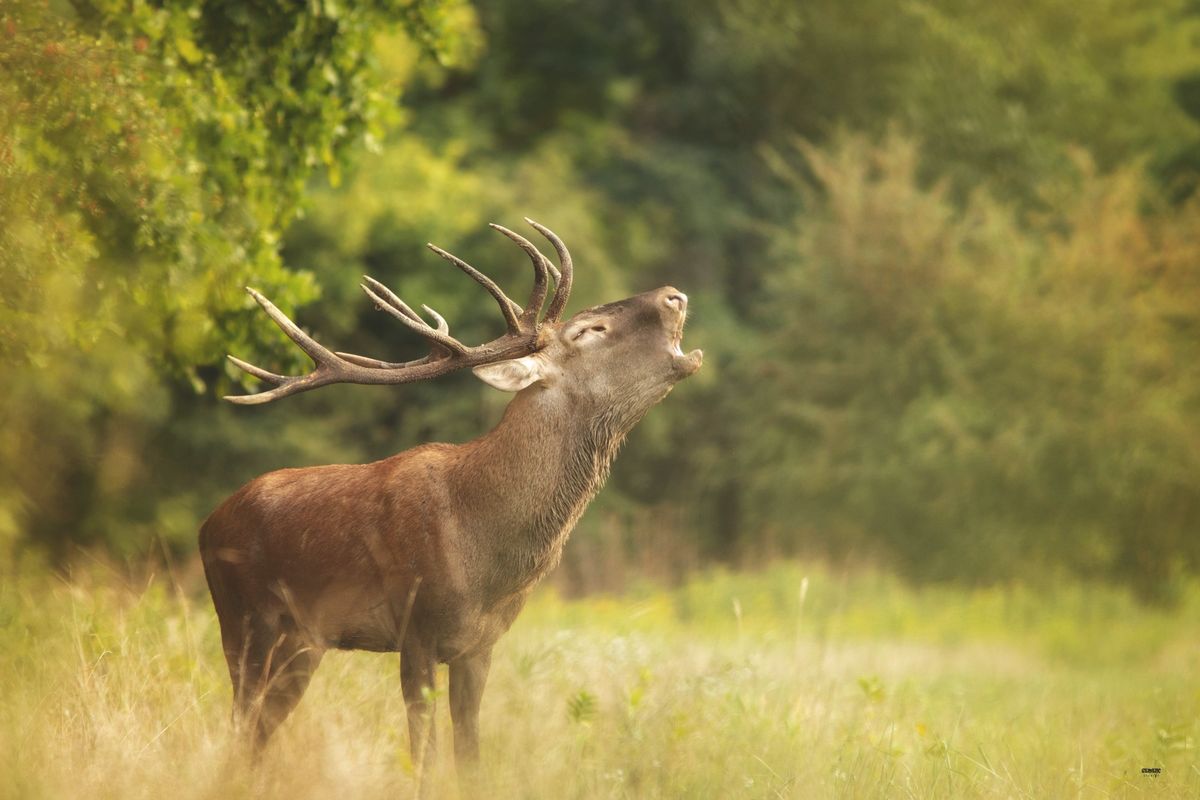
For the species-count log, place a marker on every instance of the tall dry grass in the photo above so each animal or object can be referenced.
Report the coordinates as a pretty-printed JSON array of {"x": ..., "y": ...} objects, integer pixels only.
[{"x": 793, "y": 682}]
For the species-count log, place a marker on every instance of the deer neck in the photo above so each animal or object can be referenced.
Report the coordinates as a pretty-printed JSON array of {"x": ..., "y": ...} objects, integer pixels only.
[{"x": 529, "y": 480}]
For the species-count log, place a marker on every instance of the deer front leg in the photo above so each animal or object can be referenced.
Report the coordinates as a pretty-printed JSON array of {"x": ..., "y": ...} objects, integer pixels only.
[
  {"x": 418, "y": 667},
  {"x": 468, "y": 674}
]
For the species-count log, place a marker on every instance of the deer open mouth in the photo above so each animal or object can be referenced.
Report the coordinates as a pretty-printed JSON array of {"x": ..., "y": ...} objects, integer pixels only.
[{"x": 685, "y": 363}]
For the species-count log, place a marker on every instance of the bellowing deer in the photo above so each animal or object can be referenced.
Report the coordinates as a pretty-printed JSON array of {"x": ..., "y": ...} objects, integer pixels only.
[{"x": 434, "y": 551}]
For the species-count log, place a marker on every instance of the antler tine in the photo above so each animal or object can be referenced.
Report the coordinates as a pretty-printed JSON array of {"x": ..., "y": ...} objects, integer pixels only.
[
  {"x": 508, "y": 308},
  {"x": 326, "y": 361},
  {"x": 393, "y": 299},
  {"x": 258, "y": 372},
  {"x": 376, "y": 363},
  {"x": 401, "y": 306},
  {"x": 443, "y": 327},
  {"x": 419, "y": 326},
  {"x": 541, "y": 268},
  {"x": 309, "y": 345},
  {"x": 563, "y": 290},
  {"x": 289, "y": 386}
]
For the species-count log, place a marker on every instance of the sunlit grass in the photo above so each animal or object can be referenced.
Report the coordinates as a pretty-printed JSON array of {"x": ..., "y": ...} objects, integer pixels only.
[{"x": 794, "y": 682}]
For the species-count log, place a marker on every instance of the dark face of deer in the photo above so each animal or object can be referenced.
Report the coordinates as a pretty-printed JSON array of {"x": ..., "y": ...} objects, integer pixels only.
[{"x": 618, "y": 359}]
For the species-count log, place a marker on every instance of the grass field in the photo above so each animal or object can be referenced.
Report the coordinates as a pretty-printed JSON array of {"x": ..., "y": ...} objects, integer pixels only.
[{"x": 793, "y": 682}]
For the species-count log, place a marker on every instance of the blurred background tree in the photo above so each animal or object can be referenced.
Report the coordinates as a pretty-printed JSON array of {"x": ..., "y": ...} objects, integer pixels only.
[
  {"x": 940, "y": 257},
  {"x": 152, "y": 155}
]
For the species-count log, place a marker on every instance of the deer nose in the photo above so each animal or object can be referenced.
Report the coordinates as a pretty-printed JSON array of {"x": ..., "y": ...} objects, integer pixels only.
[{"x": 675, "y": 298}]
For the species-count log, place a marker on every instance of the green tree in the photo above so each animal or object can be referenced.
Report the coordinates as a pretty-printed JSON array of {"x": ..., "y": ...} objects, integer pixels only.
[
  {"x": 976, "y": 398},
  {"x": 150, "y": 158}
]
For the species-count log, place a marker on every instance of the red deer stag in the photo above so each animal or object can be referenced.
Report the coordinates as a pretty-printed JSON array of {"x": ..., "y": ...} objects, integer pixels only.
[{"x": 434, "y": 551}]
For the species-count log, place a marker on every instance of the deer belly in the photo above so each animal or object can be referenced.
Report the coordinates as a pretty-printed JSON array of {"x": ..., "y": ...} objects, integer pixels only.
[
  {"x": 352, "y": 619},
  {"x": 376, "y": 641}
]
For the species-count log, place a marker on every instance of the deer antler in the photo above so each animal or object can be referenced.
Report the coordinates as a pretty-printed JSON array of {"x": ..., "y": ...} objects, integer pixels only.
[{"x": 446, "y": 354}]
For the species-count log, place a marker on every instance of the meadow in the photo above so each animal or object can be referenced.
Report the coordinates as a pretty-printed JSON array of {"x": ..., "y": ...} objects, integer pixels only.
[{"x": 791, "y": 682}]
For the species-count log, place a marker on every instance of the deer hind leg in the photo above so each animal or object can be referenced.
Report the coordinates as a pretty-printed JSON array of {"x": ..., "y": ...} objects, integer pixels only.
[{"x": 270, "y": 665}]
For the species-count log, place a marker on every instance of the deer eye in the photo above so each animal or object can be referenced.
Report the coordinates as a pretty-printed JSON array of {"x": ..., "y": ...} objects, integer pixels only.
[{"x": 598, "y": 328}]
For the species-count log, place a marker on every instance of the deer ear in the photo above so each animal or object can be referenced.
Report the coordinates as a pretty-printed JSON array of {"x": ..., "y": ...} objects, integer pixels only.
[{"x": 512, "y": 375}]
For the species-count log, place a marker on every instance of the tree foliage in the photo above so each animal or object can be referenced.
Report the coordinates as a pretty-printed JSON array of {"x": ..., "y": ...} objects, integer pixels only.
[
  {"x": 939, "y": 256},
  {"x": 150, "y": 158},
  {"x": 973, "y": 394}
]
